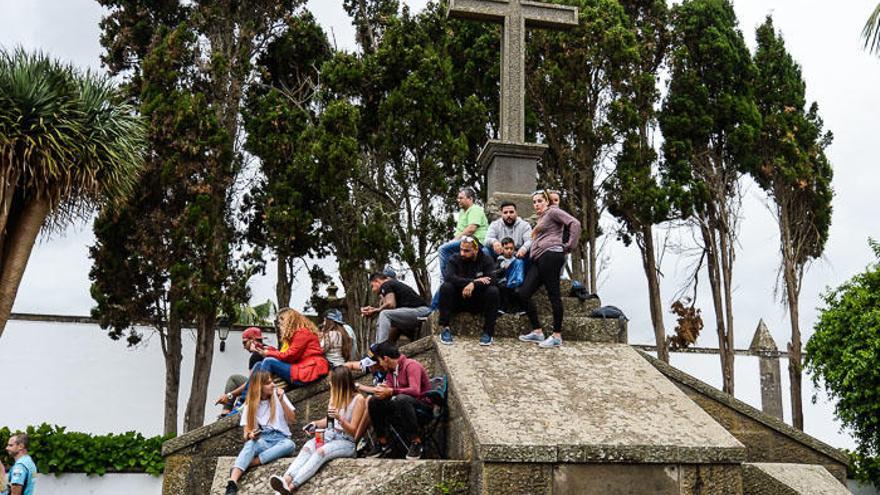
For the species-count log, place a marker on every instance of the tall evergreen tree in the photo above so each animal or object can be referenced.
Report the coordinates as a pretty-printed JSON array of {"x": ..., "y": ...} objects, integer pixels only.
[
  {"x": 280, "y": 210},
  {"x": 224, "y": 37},
  {"x": 709, "y": 120},
  {"x": 795, "y": 172},
  {"x": 633, "y": 192}
]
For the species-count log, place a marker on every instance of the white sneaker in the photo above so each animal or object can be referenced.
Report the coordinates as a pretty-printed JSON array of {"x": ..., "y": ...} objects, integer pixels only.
[
  {"x": 550, "y": 341},
  {"x": 535, "y": 338}
]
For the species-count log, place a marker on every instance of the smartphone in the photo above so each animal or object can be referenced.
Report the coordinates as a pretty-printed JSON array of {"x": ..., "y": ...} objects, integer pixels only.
[{"x": 309, "y": 428}]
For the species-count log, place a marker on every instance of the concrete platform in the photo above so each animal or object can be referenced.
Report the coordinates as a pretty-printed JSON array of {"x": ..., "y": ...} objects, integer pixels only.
[
  {"x": 355, "y": 477},
  {"x": 790, "y": 479},
  {"x": 608, "y": 405},
  {"x": 579, "y": 328}
]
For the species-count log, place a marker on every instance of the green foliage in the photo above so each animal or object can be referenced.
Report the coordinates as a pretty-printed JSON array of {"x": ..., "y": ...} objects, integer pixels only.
[
  {"x": 709, "y": 118},
  {"x": 843, "y": 354},
  {"x": 56, "y": 450},
  {"x": 793, "y": 167}
]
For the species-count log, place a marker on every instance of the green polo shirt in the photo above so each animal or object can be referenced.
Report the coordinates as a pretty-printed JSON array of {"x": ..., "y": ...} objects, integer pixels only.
[{"x": 473, "y": 215}]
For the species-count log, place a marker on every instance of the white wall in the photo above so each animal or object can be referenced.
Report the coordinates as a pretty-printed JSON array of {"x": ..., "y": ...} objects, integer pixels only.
[
  {"x": 74, "y": 375},
  {"x": 109, "y": 484}
]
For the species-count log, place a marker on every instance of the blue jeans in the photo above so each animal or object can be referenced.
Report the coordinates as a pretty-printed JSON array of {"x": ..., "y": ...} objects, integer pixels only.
[
  {"x": 276, "y": 367},
  {"x": 270, "y": 445},
  {"x": 310, "y": 459},
  {"x": 446, "y": 251}
]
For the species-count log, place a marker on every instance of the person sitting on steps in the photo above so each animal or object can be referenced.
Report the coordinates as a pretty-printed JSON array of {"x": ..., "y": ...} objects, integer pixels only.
[
  {"x": 469, "y": 286},
  {"x": 547, "y": 259},
  {"x": 397, "y": 402},
  {"x": 504, "y": 265},
  {"x": 251, "y": 340},
  {"x": 509, "y": 226},
  {"x": 399, "y": 310},
  {"x": 266, "y": 418},
  {"x": 335, "y": 340},
  {"x": 300, "y": 360},
  {"x": 345, "y": 410}
]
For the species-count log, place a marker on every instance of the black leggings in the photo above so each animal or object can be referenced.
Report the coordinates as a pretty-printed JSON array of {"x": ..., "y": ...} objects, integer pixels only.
[{"x": 543, "y": 271}]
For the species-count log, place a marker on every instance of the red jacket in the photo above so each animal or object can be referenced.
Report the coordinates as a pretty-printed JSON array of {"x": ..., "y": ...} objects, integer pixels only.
[{"x": 305, "y": 356}]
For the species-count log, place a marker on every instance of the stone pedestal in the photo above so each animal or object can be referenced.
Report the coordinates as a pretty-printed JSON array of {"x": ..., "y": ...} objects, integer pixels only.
[{"x": 511, "y": 173}]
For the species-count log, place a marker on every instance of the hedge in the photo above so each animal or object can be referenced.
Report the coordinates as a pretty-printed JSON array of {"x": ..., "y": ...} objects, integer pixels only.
[{"x": 56, "y": 450}]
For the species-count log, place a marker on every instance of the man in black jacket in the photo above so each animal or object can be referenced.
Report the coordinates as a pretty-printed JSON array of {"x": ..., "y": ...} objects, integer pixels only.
[{"x": 468, "y": 286}]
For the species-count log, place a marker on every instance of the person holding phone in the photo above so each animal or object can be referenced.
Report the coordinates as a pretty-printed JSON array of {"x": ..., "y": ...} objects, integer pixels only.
[
  {"x": 266, "y": 418},
  {"x": 345, "y": 409}
]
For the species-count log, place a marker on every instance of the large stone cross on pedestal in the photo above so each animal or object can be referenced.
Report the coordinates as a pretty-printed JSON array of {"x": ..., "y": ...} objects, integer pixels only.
[{"x": 511, "y": 163}]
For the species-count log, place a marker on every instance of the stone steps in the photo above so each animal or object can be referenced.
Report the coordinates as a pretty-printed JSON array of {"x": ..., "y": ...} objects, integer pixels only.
[
  {"x": 355, "y": 476},
  {"x": 574, "y": 328}
]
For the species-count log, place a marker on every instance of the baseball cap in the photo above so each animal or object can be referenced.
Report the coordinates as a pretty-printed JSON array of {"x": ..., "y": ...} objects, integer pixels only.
[
  {"x": 252, "y": 333},
  {"x": 334, "y": 315},
  {"x": 367, "y": 362}
]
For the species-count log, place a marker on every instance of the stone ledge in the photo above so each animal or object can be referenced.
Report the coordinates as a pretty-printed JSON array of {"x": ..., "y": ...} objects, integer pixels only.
[
  {"x": 741, "y": 407},
  {"x": 790, "y": 479},
  {"x": 618, "y": 408},
  {"x": 356, "y": 476},
  {"x": 223, "y": 425},
  {"x": 574, "y": 328}
]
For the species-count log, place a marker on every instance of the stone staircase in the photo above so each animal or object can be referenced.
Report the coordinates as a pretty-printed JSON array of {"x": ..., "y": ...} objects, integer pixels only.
[
  {"x": 595, "y": 416},
  {"x": 577, "y": 324},
  {"x": 356, "y": 477}
]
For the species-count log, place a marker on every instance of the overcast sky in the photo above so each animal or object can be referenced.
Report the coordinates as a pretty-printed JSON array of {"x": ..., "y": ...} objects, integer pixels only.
[{"x": 822, "y": 36}]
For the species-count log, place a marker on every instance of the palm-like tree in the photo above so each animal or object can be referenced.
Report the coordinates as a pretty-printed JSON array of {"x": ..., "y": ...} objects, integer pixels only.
[
  {"x": 871, "y": 31},
  {"x": 67, "y": 144}
]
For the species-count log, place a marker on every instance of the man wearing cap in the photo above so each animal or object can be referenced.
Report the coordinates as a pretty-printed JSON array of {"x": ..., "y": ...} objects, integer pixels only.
[
  {"x": 251, "y": 340},
  {"x": 469, "y": 287},
  {"x": 399, "y": 310}
]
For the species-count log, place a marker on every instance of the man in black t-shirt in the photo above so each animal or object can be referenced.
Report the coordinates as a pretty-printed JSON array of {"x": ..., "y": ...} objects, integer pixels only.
[{"x": 399, "y": 310}]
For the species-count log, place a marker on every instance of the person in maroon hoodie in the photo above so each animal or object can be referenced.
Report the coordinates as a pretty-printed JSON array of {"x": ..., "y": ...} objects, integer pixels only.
[
  {"x": 397, "y": 401},
  {"x": 301, "y": 359},
  {"x": 555, "y": 235}
]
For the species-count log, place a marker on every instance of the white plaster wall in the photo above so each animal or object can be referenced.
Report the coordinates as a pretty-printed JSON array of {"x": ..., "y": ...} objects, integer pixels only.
[
  {"x": 109, "y": 484},
  {"x": 75, "y": 376}
]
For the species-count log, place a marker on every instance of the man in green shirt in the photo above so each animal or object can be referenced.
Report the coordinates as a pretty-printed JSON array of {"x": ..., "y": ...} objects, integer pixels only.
[{"x": 472, "y": 222}]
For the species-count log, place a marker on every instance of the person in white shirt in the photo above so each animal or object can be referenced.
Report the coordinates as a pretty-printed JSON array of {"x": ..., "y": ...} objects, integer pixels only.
[
  {"x": 344, "y": 411},
  {"x": 266, "y": 418}
]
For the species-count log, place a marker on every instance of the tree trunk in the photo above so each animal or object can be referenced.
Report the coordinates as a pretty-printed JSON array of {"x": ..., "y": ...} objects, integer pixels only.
[
  {"x": 198, "y": 395},
  {"x": 649, "y": 263},
  {"x": 712, "y": 267},
  {"x": 727, "y": 256},
  {"x": 423, "y": 281},
  {"x": 354, "y": 282},
  {"x": 21, "y": 233},
  {"x": 173, "y": 351},
  {"x": 792, "y": 293},
  {"x": 284, "y": 284}
]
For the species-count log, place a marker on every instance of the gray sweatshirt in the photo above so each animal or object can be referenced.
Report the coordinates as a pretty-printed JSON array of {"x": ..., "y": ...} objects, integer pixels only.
[{"x": 520, "y": 232}]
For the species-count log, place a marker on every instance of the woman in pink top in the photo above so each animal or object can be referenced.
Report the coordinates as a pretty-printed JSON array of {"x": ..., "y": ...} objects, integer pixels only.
[{"x": 547, "y": 256}]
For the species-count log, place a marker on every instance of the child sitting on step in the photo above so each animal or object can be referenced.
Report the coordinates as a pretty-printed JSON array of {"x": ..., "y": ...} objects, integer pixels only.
[
  {"x": 509, "y": 273},
  {"x": 344, "y": 413},
  {"x": 266, "y": 416}
]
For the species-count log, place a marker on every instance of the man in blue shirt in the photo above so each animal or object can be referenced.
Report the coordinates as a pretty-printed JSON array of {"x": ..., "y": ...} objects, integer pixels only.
[{"x": 21, "y": 474}]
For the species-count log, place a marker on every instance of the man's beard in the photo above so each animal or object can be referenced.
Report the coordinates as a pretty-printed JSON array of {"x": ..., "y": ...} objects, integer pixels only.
[{"x": 509, "y": 221}]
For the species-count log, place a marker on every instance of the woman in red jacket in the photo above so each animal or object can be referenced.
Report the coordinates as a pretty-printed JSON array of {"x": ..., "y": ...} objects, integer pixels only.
[{"x": 300, "y": 360}]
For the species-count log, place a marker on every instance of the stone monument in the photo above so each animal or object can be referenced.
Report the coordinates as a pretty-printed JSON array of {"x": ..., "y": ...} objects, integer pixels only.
[{"x": 510, "y": 163}]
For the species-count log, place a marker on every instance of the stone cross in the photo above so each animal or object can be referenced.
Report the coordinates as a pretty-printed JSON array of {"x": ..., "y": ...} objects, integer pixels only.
[{"x": 515, "y": 15}]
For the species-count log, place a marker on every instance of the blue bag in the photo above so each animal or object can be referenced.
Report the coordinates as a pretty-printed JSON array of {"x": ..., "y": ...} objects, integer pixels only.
[{"x": 516, "y": 273}]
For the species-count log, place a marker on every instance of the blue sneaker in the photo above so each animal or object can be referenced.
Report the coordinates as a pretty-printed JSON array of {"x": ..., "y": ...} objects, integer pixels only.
[
  {"x": 535, "y": 338},
  {"x": 446, "y": 337},
  {"x": 550, "y": 341},
  {"x": 485, "y": 339}
]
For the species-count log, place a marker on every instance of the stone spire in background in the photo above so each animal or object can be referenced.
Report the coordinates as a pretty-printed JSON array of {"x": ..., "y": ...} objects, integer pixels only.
[{"x": 771, "y": 376}]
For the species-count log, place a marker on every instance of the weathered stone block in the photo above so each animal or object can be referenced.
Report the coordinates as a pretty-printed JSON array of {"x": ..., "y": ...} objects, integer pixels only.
[
  {"x": 718, "y": 479},
  {"x": 516, "y": 479},
  {"x": 789, "y": 479},
  {"x": 580, "y": 329}
]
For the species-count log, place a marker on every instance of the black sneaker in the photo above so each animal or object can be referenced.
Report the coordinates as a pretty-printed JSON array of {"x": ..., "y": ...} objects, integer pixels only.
[
  {"x": 277, "y": 484},
  {"x": 231, "y": 488},
  {"x": 378, "y": 450},
  {"x": 415, "y": 452}
]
